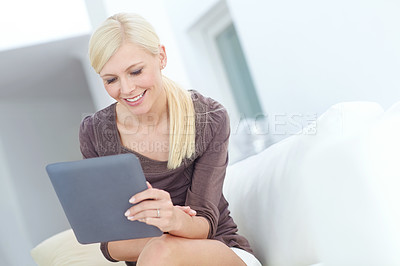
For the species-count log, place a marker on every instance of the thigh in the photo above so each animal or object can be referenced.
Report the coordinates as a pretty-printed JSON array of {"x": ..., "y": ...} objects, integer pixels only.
[{"x": 171, "y": 250}]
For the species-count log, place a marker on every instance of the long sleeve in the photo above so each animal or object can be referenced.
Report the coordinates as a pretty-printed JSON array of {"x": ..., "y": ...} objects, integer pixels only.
[
  {"x": 87, "y": 138},
  {"x": 205, "y": 192}
]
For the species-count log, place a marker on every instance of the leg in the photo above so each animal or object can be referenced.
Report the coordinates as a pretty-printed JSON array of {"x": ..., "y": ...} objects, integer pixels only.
[
  {"x": 127, "y": 250},
  {"x": 171, "y": 250}
]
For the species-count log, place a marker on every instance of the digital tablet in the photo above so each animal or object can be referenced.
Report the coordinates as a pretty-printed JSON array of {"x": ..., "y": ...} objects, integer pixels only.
[{"x": 95, "y": 193}]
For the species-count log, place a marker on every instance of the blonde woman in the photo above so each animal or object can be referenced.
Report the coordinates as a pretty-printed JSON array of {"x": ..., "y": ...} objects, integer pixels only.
[{"x": 181, "y": 139}]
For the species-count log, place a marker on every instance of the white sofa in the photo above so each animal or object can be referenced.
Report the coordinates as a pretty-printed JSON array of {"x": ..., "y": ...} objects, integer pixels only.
[{"x": 326, "y": 196}]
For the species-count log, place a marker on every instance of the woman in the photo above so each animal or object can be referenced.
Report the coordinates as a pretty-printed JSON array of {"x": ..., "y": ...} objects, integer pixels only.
[{"x": 181, "y": 139}]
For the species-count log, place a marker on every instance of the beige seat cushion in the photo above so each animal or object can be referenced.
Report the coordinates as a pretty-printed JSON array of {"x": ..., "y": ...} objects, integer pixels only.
[{"x": 64, "y": 249}]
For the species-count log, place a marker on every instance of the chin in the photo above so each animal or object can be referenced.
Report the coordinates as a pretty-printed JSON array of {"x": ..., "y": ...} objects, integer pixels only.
[{"x": 138, "y": 110}]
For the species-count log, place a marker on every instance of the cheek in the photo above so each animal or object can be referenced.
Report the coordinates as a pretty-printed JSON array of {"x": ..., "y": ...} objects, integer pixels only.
[
  {"x": 113, "y": 91},
  {"x": 145, "y": 81},
  {"x": 150, "y": 79}
]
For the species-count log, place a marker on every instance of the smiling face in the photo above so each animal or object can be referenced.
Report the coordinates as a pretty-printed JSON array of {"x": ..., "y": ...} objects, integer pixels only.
[{"x": 132, "y": 76}]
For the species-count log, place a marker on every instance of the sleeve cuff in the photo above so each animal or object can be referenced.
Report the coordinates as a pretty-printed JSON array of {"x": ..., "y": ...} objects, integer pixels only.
[{"x": 104, "y": 250}]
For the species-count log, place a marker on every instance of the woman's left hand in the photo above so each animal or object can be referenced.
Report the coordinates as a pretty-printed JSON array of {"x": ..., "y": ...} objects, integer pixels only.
[{"x": 154, "y": 207}]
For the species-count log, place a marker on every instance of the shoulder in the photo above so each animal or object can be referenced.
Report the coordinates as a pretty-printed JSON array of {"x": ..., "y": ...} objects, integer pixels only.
[
  {"x": 207, "y": 109},
  {"x": 212, "y": 119},
  {"x": 98, "y": 129},
  {"x": 104, "y": 115}
]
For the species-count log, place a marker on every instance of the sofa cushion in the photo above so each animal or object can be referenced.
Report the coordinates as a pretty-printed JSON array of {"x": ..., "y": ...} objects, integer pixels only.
[
  {"x": 64, "y": 249},
  {"x": 266, "y": 192},
  {"x": 352, "y": 191}
]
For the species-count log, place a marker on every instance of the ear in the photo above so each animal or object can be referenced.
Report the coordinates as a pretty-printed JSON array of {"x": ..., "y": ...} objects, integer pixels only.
[{"x": 163, "y": 56}]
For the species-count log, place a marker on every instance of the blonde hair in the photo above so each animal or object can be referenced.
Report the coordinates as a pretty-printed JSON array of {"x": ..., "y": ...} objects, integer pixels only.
[{"x": 124, "y": 27}]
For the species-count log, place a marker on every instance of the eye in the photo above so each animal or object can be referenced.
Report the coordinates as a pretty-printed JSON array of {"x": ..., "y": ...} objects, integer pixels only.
[
  {"x": 109, "y": 81},
  {"x": 135, "y": 73}
]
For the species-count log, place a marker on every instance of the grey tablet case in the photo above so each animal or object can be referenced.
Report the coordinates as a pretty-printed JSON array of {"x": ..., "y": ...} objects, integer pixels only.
[{"x": 95, "y": 193}]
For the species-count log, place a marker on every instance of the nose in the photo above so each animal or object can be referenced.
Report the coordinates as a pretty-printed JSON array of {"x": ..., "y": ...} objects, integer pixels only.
[{"x": 126, "y": 86}]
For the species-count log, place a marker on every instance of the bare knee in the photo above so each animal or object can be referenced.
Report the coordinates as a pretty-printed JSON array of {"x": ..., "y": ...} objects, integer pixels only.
[{"x": 158, "y": 251}]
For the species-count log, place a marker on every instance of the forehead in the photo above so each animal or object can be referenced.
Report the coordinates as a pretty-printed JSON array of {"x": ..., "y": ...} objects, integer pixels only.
[{"x": 126, "y": 55}]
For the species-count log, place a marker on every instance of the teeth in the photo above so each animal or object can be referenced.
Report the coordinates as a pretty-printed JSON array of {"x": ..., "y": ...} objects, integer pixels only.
[{"x": 136, "y": 98}]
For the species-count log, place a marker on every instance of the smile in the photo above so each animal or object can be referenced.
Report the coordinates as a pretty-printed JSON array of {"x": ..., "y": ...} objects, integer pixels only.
[{"x": 137, "y": 98}]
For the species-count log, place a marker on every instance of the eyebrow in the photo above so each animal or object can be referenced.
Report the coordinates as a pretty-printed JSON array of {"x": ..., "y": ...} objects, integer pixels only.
[{"x": 125, "y": 69}]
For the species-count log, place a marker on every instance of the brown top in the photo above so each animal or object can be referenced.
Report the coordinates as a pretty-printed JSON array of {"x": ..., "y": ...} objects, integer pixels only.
[{"x": 197, "y": 182}]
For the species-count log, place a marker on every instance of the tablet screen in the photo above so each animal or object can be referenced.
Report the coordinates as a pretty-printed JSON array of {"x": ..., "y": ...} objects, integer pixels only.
[{"x": 95, "y": 193}]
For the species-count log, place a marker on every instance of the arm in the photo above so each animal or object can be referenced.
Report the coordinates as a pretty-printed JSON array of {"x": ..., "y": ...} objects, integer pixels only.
[
  {"x": 196, "y": 227},
  {"x": 203, "y": 195}
]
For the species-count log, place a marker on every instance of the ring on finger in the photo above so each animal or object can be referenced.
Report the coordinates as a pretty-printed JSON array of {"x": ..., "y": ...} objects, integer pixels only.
[{"x": 158, "y": 213}]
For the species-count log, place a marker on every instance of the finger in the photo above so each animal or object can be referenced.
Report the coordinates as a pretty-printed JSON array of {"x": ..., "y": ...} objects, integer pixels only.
[
  {"x": 147, "y": 194},
  {"x": 132, "y": 199},
  {"x": 187, "y": 210},
  {"x": 190, "y": 212},
  {"x": 144, "y": 215},
  {"x": 143, "y": 206},
  {"x": 183, "y": 208},
  {"x": 151, "y": 193}
]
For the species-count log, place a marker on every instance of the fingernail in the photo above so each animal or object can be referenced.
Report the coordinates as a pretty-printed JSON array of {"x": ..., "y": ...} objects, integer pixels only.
[
  {"x": 127, "y": 213},
  {"x": 132, "y": 200},
  {"x": 131, "y": 218}
]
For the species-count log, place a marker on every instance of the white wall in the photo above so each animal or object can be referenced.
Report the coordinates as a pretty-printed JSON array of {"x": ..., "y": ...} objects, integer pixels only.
[
  {"x": 34, "y": 133},
  {"x": 99, "y": 95},
  {"x": 184, "y": 17},
  {"x": 311, "y": 54},
  {"x": 27, "y": 22},
  {"x": 13, "y": 231},
  {"x": 42, "y": 103},
  {"x": 305, "y": 55}
]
